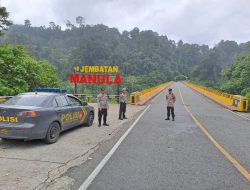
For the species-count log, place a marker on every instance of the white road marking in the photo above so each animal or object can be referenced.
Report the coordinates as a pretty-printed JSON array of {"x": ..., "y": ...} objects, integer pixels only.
[{"x": 97, "y": 170}]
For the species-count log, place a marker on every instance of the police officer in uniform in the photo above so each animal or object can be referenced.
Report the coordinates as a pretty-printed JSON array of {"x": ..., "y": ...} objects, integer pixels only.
[
  {"x": 170, "y": 97},
  {"x": 123, "y": 102},
  {"x": 102, "y": 101}
]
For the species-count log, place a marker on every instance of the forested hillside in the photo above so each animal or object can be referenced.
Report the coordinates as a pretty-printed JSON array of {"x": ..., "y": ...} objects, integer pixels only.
[{"x": 145, "y": 57}]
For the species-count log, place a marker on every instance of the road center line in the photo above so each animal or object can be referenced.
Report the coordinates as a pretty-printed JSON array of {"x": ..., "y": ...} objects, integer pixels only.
[
  {"x": 97, "y": 170},
  {"x": 235, "y": 163}
]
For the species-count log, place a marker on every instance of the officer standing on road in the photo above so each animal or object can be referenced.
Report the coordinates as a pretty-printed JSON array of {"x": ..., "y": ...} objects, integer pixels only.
[
  {"x": 123, "y": 102},
  {"x": 170, "y": 97},
  {"x": 102, "y": 101}
]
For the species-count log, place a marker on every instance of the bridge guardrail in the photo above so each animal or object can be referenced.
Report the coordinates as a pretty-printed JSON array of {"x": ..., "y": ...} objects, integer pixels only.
[
  {"x": 90, "y": 98},
  {"x": 232, "y": 102},
  {"x": 140, "y": 98}
]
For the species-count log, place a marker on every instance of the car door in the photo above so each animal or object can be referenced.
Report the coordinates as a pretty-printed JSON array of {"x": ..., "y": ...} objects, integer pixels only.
[
  {"x": 78, "y": 110},
  {"x": 64, "y": 111}
]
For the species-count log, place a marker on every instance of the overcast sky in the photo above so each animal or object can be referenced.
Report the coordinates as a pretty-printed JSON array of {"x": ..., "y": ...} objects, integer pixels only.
[{"x": 193, "y": 21}]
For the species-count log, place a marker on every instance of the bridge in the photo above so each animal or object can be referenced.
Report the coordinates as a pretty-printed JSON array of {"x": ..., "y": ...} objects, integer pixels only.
[{"x": 206, "y": 147}]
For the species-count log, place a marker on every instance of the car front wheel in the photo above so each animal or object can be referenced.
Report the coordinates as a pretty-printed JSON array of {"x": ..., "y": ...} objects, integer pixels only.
[
  {"x": 90, "y": 119},
  {"x": 53, "y": 133}
]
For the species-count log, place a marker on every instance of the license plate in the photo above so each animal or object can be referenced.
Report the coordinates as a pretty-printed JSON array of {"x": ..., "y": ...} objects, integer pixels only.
[{"x": 4, "y": 131}]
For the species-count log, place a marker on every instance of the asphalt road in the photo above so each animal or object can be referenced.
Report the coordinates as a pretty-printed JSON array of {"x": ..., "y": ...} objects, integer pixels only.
[{"x": 160, "y": 154}]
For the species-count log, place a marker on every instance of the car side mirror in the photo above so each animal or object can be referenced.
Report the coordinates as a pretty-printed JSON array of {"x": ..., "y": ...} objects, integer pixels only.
[{"x": 84, "y": 103}]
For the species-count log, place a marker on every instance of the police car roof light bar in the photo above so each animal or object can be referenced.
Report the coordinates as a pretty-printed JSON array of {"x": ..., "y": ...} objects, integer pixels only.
[{"x": 55, "y": 90}]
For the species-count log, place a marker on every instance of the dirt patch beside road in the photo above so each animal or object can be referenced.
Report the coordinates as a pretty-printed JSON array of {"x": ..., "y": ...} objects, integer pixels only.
[{"x": 27, "y": 165}]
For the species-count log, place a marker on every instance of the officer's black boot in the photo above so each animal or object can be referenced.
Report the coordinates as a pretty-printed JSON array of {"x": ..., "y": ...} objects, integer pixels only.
[
  {"x": 99, "y": 122},
  {"x": 167, "y": 118},
  {"x": 105, "y": 122},
  {"x": 173, "y": 116}
]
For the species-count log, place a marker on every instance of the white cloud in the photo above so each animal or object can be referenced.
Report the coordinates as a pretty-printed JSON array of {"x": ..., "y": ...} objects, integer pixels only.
[{"x": 193, "y": 21}]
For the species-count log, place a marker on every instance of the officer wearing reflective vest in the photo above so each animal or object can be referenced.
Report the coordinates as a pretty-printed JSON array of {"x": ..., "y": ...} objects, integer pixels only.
[
  {"x": 170, "y": 97},
  {"x": 102, "y": 101},
  {"x": 123, "y": 102}
]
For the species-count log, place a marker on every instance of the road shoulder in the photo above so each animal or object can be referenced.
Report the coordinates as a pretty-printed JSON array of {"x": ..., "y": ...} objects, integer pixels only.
[{"x": 34, "y": 165}]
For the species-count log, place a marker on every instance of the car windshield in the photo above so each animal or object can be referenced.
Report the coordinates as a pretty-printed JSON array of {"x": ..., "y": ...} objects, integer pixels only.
[{"x": 27, "y": 100}]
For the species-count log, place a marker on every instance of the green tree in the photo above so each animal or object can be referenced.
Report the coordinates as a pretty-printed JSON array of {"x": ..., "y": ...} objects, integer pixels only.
[
  {"x": 209, "y": 70},
  {"x": 69, "y": 25},
  {"x": 52, "y": 25},
  {"x": 80, "y": 21},
  {"x": 20, "y": 73},
  {"x": 237, "y": 77},
  {"x": 27, "y": 23},
  {"x": 4, "y": 22}
]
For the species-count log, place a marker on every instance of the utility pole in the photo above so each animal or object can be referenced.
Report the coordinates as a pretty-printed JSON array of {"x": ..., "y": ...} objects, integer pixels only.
[
  {"x": 118, "y": 92},
  {"x": 75, "y": 90}
]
